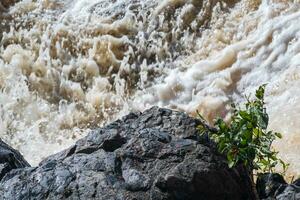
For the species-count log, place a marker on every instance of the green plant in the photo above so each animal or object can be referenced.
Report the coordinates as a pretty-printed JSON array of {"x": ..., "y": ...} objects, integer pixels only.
[{"x": 246, "y": 140}]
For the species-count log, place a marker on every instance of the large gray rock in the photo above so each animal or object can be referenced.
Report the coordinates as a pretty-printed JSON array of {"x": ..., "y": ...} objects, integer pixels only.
[
  {"x": 155, "y": 155},
  {"x": 10, "y": 159}
]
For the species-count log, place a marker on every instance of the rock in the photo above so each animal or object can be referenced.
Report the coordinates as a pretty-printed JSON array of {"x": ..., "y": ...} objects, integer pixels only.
[
  {"x": 291, "y": 192},
  {"x": 272, "y": 186},
  {"x": 10, "y": 159},
  {"x": 135, "y": 180},
  {"x": 156, "y": 155},
  {"x": 269, "y": 185},
  {"x": 297, "y": 182}
]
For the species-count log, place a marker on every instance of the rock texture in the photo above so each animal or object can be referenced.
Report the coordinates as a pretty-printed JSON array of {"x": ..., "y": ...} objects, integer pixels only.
[
  {"x": 154, "y": 155},
  {"x": 10, "y": 159},
  {"x": 273, "y": 187}
]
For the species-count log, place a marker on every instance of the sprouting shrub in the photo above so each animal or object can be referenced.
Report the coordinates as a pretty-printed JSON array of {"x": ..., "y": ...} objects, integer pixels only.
[{"x": 246, "y": 140}]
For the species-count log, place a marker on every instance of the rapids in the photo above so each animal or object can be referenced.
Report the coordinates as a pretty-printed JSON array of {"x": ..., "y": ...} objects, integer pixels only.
[{"x": 68, "y": 66}]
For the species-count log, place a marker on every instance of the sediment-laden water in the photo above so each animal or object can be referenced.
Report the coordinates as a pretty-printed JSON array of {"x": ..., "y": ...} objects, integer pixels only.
[{"x": 67, "y": 66}]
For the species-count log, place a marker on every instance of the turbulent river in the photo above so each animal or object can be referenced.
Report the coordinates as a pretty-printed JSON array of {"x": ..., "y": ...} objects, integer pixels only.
[{"x": 68, "y": 66}]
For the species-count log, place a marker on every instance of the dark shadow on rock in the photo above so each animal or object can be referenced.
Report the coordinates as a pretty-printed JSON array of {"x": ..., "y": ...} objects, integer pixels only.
[{"x": 10, "y": 159}]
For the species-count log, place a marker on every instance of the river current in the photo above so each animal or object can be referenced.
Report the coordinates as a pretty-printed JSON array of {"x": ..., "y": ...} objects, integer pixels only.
[{"x": 68, "y": 66}]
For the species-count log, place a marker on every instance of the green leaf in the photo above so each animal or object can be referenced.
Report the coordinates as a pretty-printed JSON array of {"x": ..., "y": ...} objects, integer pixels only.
[
  {"x": 222, "y": 125},
  {"x": 231, "y": 164},
  {"x": 263, "y": 120},
  {"x": 279, "y": 135},
  {"x": 264, "y": 162},
  {"x": 260, "y": 92},
  {"x": 230, "y": 156},
  {"x": 245, "y": 115}
]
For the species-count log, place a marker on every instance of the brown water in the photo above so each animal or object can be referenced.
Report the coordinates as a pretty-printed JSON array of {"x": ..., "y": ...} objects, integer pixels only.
[{"x": 67, "y": 66}]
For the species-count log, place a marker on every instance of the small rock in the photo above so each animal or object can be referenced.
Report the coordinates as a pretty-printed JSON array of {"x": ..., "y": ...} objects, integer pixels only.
[{"x": 135, "y": 180}]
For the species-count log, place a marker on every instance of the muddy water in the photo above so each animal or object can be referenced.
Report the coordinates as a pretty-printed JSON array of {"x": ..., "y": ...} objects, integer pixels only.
[{"x": 67, "y": 66}]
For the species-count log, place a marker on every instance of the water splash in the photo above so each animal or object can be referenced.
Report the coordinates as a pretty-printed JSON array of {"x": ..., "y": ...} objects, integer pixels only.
[{"x": 69, "y": 66}]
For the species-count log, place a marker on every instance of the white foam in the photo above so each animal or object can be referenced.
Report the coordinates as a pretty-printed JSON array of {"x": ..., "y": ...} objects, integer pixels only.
[{"x": 69, "y": 66}]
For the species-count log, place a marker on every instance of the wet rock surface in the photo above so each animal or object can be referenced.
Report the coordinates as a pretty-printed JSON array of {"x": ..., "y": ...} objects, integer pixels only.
[
  {"x": 10, "y": 159},
  {"x": 157, "y": 154},
  {"x": 274, "y": 187}
]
